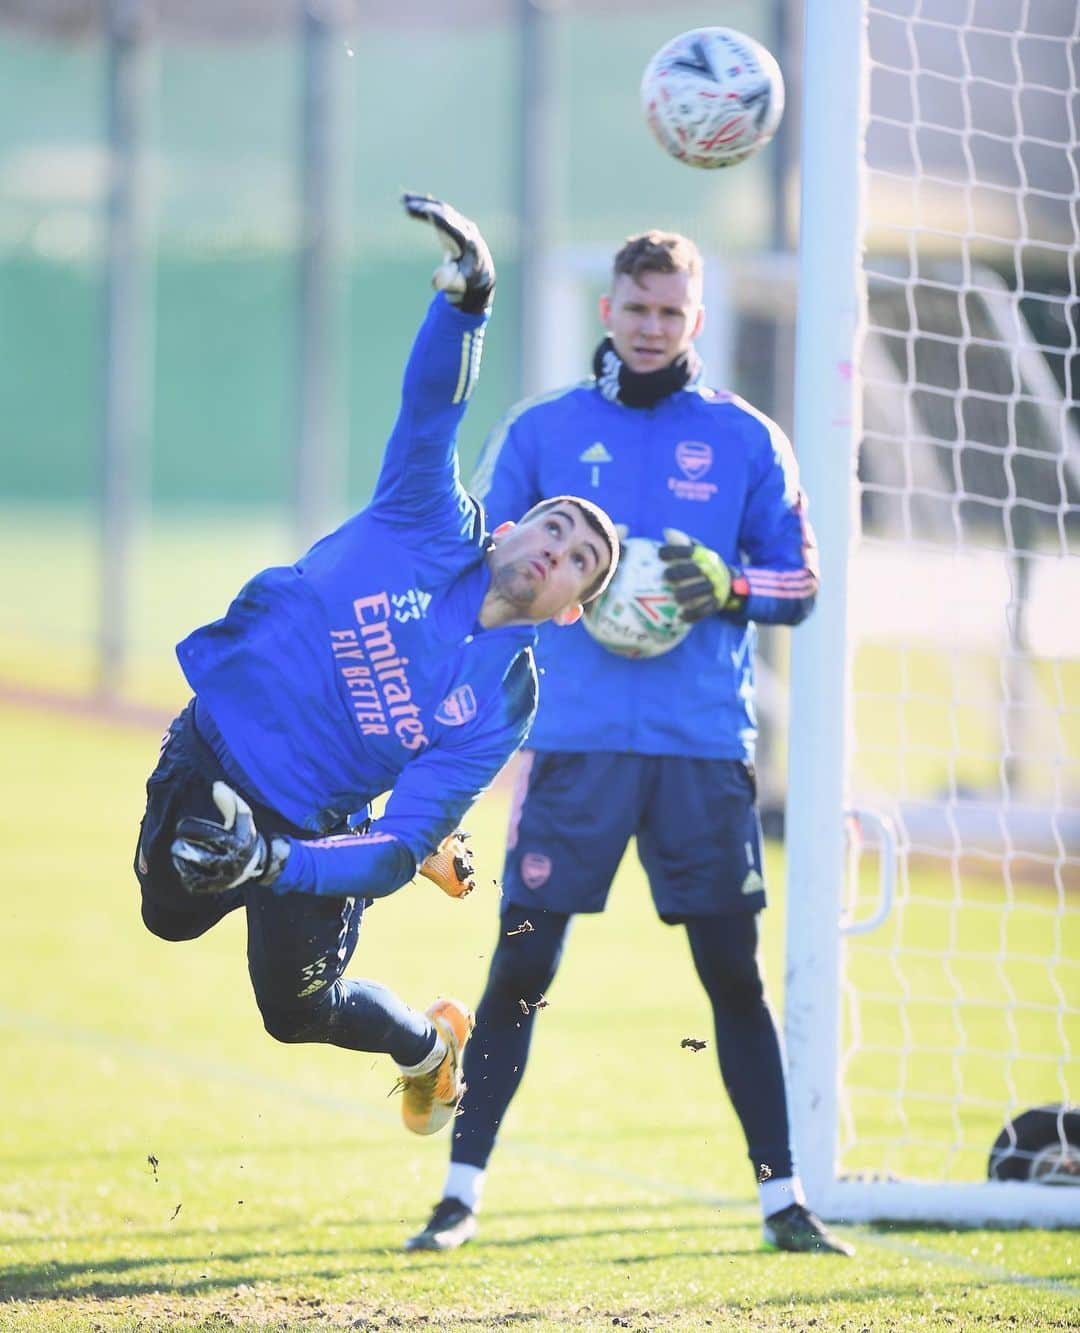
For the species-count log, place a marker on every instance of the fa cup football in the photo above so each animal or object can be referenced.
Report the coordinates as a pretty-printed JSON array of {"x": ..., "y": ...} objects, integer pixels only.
[
  {"x": 637, "y": 615},
  {"x": 712, "y": 97}
]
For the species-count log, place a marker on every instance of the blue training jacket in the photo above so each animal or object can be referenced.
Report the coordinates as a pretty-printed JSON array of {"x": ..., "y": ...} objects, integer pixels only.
[
  {"x": 707, "y": 464},
  {"x": 361, "y": 669}
]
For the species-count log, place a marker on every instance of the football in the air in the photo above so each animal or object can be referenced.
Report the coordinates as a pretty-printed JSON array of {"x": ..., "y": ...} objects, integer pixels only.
[
  {"x": 712, "y": 97},
  {"x": 637, "y": 614}
]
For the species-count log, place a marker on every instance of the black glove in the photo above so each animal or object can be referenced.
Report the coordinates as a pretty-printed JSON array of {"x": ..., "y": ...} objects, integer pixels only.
[
  {"x": 467, "y": 275},
  {"x": 700, "y": 580},
  {"x": 210, "y": 858}
]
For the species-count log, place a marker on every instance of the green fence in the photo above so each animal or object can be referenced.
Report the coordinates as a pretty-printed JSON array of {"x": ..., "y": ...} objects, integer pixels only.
[{"x": 426, "y": 107}]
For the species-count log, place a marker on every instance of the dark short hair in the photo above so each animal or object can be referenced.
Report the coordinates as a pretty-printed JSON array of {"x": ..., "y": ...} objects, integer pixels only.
[
  {"x": 601, "y": 524},
  {"x": 658, "y": 252}
]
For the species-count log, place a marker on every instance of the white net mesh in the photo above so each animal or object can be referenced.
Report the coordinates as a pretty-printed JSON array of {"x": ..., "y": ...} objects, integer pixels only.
[{"x": 962, "y": 1008}]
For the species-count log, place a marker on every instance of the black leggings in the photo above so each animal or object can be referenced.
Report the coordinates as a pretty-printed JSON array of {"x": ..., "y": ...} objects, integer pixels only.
[{"x": 724, "y": 950}]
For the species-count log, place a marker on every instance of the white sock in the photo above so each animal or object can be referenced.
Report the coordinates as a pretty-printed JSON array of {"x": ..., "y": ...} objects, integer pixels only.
[
  {"x": 432, "y": 1060},
  {"x": 779, "y": 1193},
  {"x": 466, "y": 1183}
]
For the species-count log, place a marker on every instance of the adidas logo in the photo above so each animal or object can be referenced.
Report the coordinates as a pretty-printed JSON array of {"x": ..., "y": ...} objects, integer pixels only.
[
  {"x": 753, "y": 883},
  {"x": 595, "y": 453}
]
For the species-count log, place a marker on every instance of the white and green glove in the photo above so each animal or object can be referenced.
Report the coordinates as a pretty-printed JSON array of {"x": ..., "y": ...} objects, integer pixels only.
[{"x": 698, "y": 577}]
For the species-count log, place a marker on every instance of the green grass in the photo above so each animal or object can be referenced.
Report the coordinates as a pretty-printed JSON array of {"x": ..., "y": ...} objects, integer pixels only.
[
  {"x": 185, "y": 568},
  {"x": 284, "y": 1184}
]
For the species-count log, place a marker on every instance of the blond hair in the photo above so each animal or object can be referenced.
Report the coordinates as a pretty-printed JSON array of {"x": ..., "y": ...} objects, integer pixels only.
[{"x": 658, "y": 252}]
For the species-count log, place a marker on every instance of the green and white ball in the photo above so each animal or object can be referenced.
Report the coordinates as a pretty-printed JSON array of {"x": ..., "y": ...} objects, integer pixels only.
[
  {"x": 712, "y": 97},
  {"x": 637, "y": 614}
]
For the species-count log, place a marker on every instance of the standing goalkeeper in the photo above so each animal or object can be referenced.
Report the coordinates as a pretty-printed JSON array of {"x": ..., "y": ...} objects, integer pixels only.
[
  {"x": 668, "y": 741},
  {"x": 396, "y": 655}
]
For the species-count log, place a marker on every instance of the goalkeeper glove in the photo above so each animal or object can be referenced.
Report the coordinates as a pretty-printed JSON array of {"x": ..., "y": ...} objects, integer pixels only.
[
  {"x": 450, "y": 866},
  {"x": 700, "y": 580},
  {"x": 210, "y": 858},
  {"x": 467, "y": 274}
]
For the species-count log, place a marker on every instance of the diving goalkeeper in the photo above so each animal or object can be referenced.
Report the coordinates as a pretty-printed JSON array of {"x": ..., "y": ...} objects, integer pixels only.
[{"x": 394, "y": 656}]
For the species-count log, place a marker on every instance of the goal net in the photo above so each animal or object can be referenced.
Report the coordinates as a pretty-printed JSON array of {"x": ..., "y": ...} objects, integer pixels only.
[{"x": 934, "y": 798}]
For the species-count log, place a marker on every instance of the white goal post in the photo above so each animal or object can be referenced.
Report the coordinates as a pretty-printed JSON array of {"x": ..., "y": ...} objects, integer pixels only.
[{"x": 935, "y": 723}]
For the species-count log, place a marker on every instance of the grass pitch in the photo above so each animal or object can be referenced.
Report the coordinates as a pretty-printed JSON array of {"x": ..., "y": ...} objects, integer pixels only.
[{"x": 165, "y": 1165}]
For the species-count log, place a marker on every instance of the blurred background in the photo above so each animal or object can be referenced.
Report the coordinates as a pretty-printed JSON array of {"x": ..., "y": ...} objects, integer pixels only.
[{"x": 209, "y": 289}]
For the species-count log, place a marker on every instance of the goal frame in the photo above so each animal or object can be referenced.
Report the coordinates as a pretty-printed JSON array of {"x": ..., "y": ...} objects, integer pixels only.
[{"x": 831, "y": 316}]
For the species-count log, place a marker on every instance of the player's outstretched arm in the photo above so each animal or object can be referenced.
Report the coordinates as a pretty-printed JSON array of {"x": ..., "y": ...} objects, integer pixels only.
[
  {"x": 373, "y": 865},
  {"x": 467, "y": 273},
  {"x": 419, "y": 480},
  {"x": 210, "y": 857}
]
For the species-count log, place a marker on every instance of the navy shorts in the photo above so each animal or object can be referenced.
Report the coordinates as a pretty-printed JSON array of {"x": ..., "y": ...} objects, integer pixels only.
[
  {"x": 298, "y": 944},
  {"x": 695, "y": 821}
]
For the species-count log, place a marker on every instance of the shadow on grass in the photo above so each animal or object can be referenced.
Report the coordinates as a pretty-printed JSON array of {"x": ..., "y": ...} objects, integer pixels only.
[
  {"x": 127, "y": 1276},
  {"x": 640, "y": 1209}
]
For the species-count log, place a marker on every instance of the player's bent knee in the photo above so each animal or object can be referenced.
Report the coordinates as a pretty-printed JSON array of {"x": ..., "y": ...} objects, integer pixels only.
[
  {"x": 170, "y": 925},
  {"x": 739, "y": 993},
  {"x": 734, "y": 984},
  {"x": 524, "y": 972},
  {"x": 295, "y": 1019},
  {"x": 291, "y": 1026}
]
